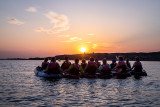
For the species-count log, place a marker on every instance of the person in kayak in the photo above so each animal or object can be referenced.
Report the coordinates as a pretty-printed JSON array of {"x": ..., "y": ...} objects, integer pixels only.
[
  {"x": 128, "y": 63},
  {"x": 44, "y": 64},
  {"x": 137, "y": 66},
  {"x": 53, "y": 67},
  {"x": 113, "y": 64},
  {"x": 66, "y": 64},
  {"x": 83, "y": 64},
  {"x": 121, "y": 67},
  {"x": 91, "y": 67},
  {"x": 97, "y": 62},
  {"x": 105, "y": 68},
  {"x": 74, "y": 69}
]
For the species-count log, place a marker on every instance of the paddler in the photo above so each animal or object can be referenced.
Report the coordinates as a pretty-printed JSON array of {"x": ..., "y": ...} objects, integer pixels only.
[
  {"x": 91, "y": 68},
  {"x": 65, "y": 65},
  {"x": 74, "y": 69},
  {"x": 44, "y": 64},
  {"x": 121, "y": 67},
  {"x": 137, "y": 66},
  {"x": 105, "y": 68},
  {"x": 53, "y": 67}
]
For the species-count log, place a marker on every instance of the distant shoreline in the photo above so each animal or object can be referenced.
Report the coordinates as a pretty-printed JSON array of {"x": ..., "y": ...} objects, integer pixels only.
[{"x": 151, "y": 56}]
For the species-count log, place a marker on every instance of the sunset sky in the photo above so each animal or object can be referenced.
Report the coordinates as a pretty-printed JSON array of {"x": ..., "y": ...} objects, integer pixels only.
[{"x": 41, "y": 28}]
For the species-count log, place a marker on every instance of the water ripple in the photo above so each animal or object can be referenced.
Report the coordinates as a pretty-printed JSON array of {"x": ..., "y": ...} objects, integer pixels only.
[{"x": 20, "y": 87}]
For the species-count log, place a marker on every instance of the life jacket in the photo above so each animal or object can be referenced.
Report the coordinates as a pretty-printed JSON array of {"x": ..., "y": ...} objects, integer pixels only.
[
  {"x": 98, "y": 64},
  {"x": 53, "y": 65},
  {"x": 138, "y": 67},
  {"x": 91, "y": 63},
  {"x": 83, "y": 65},
  {"x": 44, "y": 65},
  {"x": 105, "y": 69},
  {"x": 91, "y": 69},
  {"x": 53, "y": 68},
  {"x": 122, "y": 66},
  {"x": 137, "y": 64},
  {"x": 75, "y": 69},
  {"x": 76, "y": 66},
  {"x": 120, "y": 63},
  {"x": 66, "y": 65}
]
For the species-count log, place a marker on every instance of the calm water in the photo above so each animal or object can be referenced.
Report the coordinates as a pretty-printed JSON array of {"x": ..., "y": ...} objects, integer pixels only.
[{"x": 20, "y": 87}]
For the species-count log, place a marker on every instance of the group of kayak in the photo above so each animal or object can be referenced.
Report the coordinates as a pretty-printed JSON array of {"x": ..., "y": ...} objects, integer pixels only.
[{"x": 92, "y": 69}]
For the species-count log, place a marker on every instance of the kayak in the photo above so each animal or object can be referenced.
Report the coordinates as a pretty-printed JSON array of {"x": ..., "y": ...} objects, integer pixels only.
[
  {"x": 120, "y": 75},
  {"x": 86, "y": 75},
  {"x": 123, "y": 75},
  {"x": 71, "y": 76},
  {"x": 89, "y": 76},
  {"x": 43, "y": 74},
  {"x": 143, "y": 73},
  {"x": 103, "y": 76},
  {"x": 113, "y": 74}
]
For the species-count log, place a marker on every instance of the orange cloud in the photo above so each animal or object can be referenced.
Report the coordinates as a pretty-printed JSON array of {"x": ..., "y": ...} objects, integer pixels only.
[
  {"x": 73, "y": 39},
  {"x": 94, "y": 46},
  {"x": 91, "y": 34},
  {"x": 64, "y": 36},
  {"x": 88, "y": 42}
]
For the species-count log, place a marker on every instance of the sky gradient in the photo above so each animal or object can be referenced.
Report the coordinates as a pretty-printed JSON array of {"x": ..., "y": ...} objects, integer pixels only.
[{"x": 41, "y": 28}]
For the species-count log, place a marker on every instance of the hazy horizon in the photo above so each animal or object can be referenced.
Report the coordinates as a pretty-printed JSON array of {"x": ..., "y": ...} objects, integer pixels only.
[{"x": 40, "y": 28}]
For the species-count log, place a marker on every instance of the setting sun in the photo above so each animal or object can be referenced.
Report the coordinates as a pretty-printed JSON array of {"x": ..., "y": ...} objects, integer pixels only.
[{"x": 83, "y": 49}]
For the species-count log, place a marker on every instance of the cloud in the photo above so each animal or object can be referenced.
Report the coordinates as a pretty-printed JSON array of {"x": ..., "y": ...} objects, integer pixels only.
[
  {"x": 64, "y": 36},
  {"x": 60, "y": 23},
  {"x": 51, "y": 30},
  {"x": 88, "y": 42},
  {"x": 73, "y": 39},
  {"x": 40, "y": 29},
  {"x": 15, "y": 21},
  {"x": 59, "y": 20},
  {"x": 91, "y": 34},
  {"x": 31, "y": 9},
  {"x": 94, "y": 46}
]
